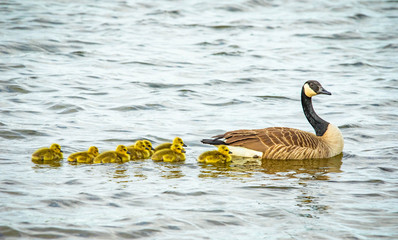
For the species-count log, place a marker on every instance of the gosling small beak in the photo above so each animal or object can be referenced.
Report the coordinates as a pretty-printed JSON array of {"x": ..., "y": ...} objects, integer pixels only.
[
  {"x": 184, "y": 145},
  {"x": 183, "y": 151},
  {"x": 153, "y": 149},
  {"x": 230, "y": 152},
  {"x": 147, "y": 148},
  {"x": 61, "y": 151},
  {"x": 324, "y": 91},
  {"x": 128, "y": 152}
]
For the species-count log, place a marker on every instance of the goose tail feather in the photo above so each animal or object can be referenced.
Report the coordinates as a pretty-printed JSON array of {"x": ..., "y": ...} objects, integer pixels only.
[{"x": 213, "y": 141}]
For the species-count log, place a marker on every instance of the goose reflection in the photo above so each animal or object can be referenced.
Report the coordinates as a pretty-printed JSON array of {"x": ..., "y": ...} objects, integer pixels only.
[
  {"x": 310, "y": 203},
  {"x": 170, "y": 170},
  {"x": 118, "y": 173},
  {"x": 46, "y": 164},
  {"x": 303, "y": 169},
  {"x": 312, "y": 168},
  {"x": 224, "y": 170}
]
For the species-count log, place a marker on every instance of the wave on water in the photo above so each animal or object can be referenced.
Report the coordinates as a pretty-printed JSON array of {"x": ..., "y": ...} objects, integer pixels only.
[{"x": 104, "y": 73}]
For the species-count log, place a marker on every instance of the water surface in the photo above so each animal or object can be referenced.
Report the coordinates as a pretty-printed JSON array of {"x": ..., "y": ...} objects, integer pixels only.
[{"x": 105, "y": 73}]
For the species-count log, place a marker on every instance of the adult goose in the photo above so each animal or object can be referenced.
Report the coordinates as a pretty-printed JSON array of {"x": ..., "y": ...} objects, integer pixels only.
[{"x": 287, "y": 143}]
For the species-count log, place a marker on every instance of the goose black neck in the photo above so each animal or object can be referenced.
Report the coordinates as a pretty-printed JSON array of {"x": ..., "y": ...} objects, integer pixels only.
[{"x": 320, "y": 126}]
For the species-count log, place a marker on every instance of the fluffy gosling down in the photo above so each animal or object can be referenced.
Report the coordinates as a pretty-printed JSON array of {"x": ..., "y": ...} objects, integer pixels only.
[
  {"x": 221, "y": 155},
  {"x": 176, "y": 140},
  {"x": 148, "y": 144},
  {"x": 176, "y": 153},
  {"x": 48, "y": 154},
  {"x": 84, "y": 157},
  {"x": 139, "y": 151},
  {"x": 121, "y": 155}
]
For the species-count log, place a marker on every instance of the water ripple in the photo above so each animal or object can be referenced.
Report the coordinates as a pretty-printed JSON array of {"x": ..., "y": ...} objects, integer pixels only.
[
  {"x": 106, "y": 73},
  {"x": 63, "y": 203}
]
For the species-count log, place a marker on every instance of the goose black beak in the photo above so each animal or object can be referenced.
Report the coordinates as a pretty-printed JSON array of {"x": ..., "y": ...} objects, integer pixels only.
[{"x": 324, "y": 91}]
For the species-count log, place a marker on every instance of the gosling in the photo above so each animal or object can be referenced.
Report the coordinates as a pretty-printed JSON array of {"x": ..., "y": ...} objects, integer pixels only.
[
  {"x": 138, "y": 151},
  {"x": 84, "y": 157},
  {"x": 48, "y": 154},
  {"x": 148, "y": 144},
  {"x": 176, "y": 153},
  {"x": 121, "y": 155},
  {"x": 221, "y": 155},
  {"x": 176, "y": 140}
]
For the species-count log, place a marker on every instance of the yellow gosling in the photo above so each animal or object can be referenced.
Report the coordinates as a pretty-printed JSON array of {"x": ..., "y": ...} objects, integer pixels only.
[
  {"x": 176, "y": 140},
  {"x": 84, "y": 157},
  {"x": 138, "y": 151},
  {"x": 121, "y": 155},
  {"x": 221, "y": 155},
  {"x": 176, "y": 153},
  {"x": 48, "y": 154},
  {"x": 148, "y": 144}
]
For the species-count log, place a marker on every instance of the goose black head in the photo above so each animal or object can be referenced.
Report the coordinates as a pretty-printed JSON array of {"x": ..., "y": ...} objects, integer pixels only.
[{"x": 312, "y": 88}]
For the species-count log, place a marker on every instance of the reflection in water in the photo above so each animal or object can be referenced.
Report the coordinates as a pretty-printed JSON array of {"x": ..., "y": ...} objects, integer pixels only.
[
  {"x": 171, "y": 170},
  {"x": 310, "y": 205},
  {"x": 120, "y": 174},
  {"x": 47, "y": 164},
  {"x": 223, "y": 170},
  {"x": 303, "y": 169},
  {"x": 309, "y": 168}
]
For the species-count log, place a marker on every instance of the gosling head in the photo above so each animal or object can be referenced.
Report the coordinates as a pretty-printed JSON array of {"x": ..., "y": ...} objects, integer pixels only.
[
  {"x": 140, "y": 145},
  {"x": 93, "y": 150},
  {"x": 148, "y": 144},
  {"x": 56, "y": 148},
  {"x": 178, "y": 140},
  {"x": 177, "y": 148},
  {"x": 224, "y": 150},
  {"x": 122, "y": 149},
  {"x": 312, "y": 88}
]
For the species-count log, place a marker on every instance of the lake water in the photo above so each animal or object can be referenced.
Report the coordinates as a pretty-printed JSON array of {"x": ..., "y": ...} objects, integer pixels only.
[{"x": 105, "y": 73}]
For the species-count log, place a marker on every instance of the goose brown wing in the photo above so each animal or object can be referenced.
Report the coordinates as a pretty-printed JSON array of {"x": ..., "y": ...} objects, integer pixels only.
[{"x": 263, "y": 139}]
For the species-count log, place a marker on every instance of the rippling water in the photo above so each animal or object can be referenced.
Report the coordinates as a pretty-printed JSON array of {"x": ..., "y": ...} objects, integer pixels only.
[{"x": 110, "y": 72}]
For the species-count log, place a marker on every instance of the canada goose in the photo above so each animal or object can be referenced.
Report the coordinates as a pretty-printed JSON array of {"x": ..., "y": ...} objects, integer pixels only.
[
  {"x": 121, "y": 155},
  {"x": 221, "y": 155},
  {"x": 84, "y": 157},
  {"x": 288, "y": 143},
  {"x": 138, "y": 151},
  {"x": 148, "y": 144},
  {"x": 48, "y": 154},
  {"x": 176, "y": 140},
  {"x": 173, "y": 154}
]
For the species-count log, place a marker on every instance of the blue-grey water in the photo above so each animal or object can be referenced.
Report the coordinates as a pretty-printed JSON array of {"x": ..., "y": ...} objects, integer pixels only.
[{"x": 103, "y": 73}]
